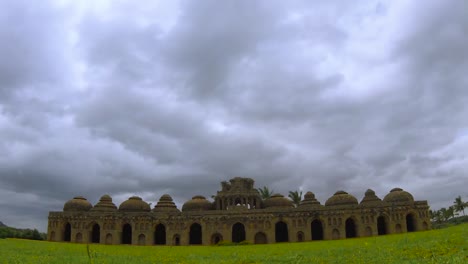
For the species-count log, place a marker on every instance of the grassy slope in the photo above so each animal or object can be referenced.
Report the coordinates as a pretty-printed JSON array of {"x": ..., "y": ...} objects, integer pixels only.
[{"x": 437, "y": 246}]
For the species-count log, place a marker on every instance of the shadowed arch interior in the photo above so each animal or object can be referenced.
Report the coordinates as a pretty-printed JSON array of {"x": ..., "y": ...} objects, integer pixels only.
[
  {"x": 281, "y": 232},
  {"x": 96, "y": 234},
  {"x": 160, "y": 235},
  {"x": 67, "y": 233},
  {"x": 381, "y": 225},
  {"x": 127, "y": 234},
  {"x": 195, "y": 235},
  {"x": 350, "y": 228},
  {"x": 176, "y": 240},
  {"x": 410, "y": 224},
  {"x": 216, "y": 238},
  {"x": 238, "y": 233},
  {"x": 317, "y": 230}
]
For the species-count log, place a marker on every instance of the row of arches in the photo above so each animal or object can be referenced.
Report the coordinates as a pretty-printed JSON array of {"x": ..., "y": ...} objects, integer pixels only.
[{"x": 238, "y": 233}]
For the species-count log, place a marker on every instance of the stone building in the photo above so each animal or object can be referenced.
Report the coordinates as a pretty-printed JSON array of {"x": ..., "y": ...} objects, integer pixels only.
[{"x": 237, "y": 213}]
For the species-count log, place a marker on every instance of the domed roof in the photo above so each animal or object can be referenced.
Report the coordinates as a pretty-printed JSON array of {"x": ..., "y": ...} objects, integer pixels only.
[
  {"x": 309, "y": 199},
  {"x": 370, "y": 198},
  {"x": 78, "y": 203},
  {"x": 105, "y": 204},
  {"x": 277, "y": 200},
  {"x": 198, "y": 203},
  {"x": 134, "y": 204},
  {"x": 397, "y": 195},
  {"x": 165, "y": 204},
  {"x": 341, "y": 198}
]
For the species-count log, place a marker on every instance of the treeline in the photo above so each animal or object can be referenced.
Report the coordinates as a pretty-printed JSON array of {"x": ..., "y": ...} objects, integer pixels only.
[
  {"x": 10, "y": 232},
  {"x": 447, "y": 216}
]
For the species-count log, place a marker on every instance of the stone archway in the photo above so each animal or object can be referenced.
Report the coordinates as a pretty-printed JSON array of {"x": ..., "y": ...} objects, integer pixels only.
[
  {"x": 127, "y": 234},
  {"x": 397, "y": 228},
  {"x": 316, "y": 228},
  {"x": 300, "y": 236},
  {"x": 79, "y": 238},
  {"x": 176, "y": 240},
  {"x": 281, "y": 232},
  {"x": 67, "y": 233},
  {"x": 238, "y": 233},
  {"x": 335, "y": 234},
  {"x": 109, "y": 239},
  {"x": 260, "y": 238},
  {"x": 160, "y": 235},
  {"x": 216, "y": 238},
  {"x": 52, "y": 236},
  {"x": 141, "y": 240},
  {"x": 410, "y": 223},
  {"x": 195, "y": 236},
  {"x": 381, "y": 225},
  {"x": 96, "y": 234},
  {"x": 350, "y": 228}
]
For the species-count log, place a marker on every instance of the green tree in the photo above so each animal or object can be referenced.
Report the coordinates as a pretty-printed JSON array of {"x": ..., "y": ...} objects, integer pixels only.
[
  {"x": 459, "y": 205},
  {"x": 296, "y": 197},
  {"x": 265, "y": 193}
]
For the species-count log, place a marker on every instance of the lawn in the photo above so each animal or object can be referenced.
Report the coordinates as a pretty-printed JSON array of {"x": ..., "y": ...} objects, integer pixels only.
[{"x": 447, "y": 245}]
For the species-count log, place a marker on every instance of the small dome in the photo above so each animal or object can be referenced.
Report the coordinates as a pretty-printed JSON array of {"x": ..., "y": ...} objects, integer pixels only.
[
  {"x": 370, "y": 198},
  {"x": 397, "y": 195},
  {"x": 341, "y": 198},
  {"x": 165, "y": 204},
  {"x": 277, "y": 200},
  {"x": 309, "y": 199},
  {"x": 105, "y": 204},
  {"x": 134, "y": 204},
  {"x": 78, "y": 203},
  {"x": 198, "y": 203}
]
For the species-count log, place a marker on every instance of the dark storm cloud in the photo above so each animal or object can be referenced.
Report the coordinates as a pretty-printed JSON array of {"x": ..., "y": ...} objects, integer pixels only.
[{"x": 158, "y": 98}]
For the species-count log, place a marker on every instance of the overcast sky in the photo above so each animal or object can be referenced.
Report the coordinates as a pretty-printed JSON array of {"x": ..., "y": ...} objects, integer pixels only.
[{"x": 152, "y": 97}]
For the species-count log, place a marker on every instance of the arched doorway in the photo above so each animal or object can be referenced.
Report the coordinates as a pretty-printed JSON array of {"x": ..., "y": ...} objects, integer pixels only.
[
  {"x": 109, "y": 239},
  {"x": 79, "y": 238},
  {"x": 317, "y": 230},
  {"x": 281, "y": 232},
  {"x": 350, "y": 228},
  {"x": 127, "y": 234},
  {"x": 176, "y": 240},
  {"x": 410, "y": 224},
  {"x": 335, "y": 234},
  {"x": 300, "y": 236},
  {"x": 160, "y": 235},
  {"x": 260, "y": 238},
  {"x": 96, "y": 234},
  {"x": 67, "y": 233},
  {"x": 52, "y": 236},
  {"x": 141, "y": 240},
  {"x": 216, "y": 238},
  {"x": 195, "y": 237},
  {"x": 397, "y": 228},
  {"x": 368, "y": 231},
  {"x": 381, "y": 225},
  {"x": 238, "y": 233}
]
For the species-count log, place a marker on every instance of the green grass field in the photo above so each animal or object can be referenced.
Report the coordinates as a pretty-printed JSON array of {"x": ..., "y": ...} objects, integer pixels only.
[{"x": 447, "y": 245}]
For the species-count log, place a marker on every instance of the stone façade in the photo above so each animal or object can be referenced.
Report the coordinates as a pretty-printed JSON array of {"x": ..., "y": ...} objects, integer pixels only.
[{"x": 238, "y": 213}]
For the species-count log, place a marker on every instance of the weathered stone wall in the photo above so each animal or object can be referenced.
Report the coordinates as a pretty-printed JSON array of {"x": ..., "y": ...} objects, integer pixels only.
[{"x": 237, "y": 214}]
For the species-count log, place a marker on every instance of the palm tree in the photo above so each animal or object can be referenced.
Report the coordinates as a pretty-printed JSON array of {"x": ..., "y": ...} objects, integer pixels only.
[
  {"x": 265, "y": 193},
  {"x": 296, "y": 197},
  {"x": 459, "y": 205}
]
